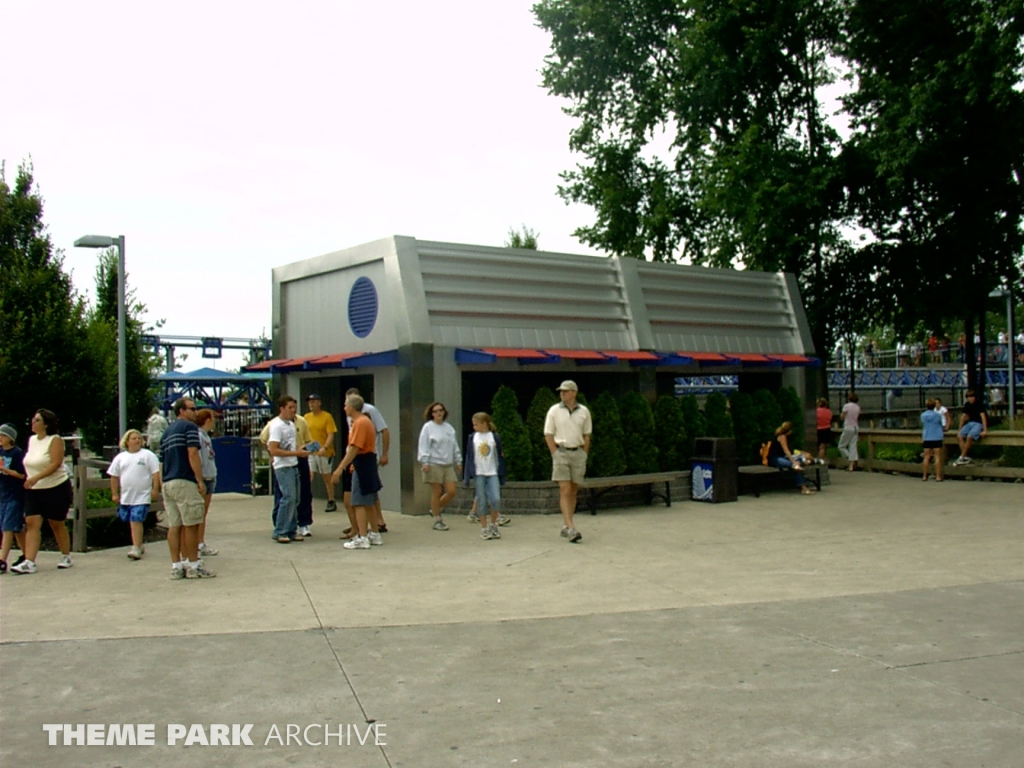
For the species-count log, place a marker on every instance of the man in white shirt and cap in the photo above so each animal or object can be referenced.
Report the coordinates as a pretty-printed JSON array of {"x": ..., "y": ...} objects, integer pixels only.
[{"x": 567, "y": 430}]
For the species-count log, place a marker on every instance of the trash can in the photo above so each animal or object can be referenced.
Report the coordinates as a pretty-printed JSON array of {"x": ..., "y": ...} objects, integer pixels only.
[{"x": 715, "y": 466}]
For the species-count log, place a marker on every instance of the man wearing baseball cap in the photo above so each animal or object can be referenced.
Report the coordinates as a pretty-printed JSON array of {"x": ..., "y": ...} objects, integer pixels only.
[
  {"x": 323, "y": 429},
  {"x": 567, "y": 430}
]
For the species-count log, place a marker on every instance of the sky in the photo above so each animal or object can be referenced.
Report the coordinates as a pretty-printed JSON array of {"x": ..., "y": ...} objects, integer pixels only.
[{"x": 224, "y": 139}]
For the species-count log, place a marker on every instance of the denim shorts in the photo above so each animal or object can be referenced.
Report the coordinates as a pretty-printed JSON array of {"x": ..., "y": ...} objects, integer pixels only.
[
  {"x": 972, "y": 429},
  {"x": 135, "y": 513},
  {"x": 12, "y": 515},
  {"x": 211, "y": 485},
  {"x": 360, "y": 499}
]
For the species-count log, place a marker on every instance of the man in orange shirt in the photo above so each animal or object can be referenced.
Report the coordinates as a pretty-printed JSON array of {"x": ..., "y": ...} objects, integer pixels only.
[{"x": 361, "y": 456}]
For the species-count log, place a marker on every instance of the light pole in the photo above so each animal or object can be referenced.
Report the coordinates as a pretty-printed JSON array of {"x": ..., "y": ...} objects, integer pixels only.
[
  {"x": 102, "y": 241},
  {"x": 1011, "y": 349}
]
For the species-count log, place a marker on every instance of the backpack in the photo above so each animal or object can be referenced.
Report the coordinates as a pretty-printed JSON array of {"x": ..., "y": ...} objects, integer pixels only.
[{"x": 765, "y": 450}]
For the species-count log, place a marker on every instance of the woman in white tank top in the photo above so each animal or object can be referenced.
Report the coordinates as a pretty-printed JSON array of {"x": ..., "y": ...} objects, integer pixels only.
[{"x": 47, "y": 491}]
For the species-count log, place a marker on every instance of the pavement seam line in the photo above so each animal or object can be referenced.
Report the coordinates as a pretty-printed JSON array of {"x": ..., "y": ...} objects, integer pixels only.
[
  {"x": 953, "y": 661},
  {"x": 337, "y": 659}
]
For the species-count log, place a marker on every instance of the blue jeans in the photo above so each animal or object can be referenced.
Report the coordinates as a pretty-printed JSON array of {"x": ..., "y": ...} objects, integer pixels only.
[
  {"x": 783, "y": 463},
  {"x": 285, "y": 524},
  {"x": 488, "y": 493}
]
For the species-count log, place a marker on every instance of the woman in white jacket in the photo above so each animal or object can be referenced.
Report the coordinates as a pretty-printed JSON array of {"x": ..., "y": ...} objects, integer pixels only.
[{"x": 440, "y": 460}]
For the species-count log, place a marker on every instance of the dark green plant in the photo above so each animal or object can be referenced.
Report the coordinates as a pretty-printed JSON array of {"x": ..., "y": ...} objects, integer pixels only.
[
  {"x": 639, "y": 444},
  {"x": 544, "y": 398},
  {"x": 670, "y": 434},
  {"x": 792, "y": 411},
  {"x": 693, "y": 423},
  {"x": 769, "y": 414},
  {"x": 607, "y": 457},
  {"x": 716, "y": 413},
  {"x": 745, "y": 427},
  {"x": 515, "y": 442}
]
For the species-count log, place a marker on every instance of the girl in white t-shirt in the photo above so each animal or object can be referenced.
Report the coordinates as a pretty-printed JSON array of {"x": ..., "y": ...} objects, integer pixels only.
[
  {"x": 485, "y": 466},
  {"x": 134, "y": 485}
]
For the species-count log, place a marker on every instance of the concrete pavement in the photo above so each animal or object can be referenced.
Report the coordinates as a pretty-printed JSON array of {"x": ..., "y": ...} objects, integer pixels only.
[{"x": 877, "y": 623}]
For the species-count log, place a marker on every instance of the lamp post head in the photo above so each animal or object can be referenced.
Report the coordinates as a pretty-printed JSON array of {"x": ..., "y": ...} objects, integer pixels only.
[
  {"x": 95, "y": 241},
  {"x": 999, "y": 293}
]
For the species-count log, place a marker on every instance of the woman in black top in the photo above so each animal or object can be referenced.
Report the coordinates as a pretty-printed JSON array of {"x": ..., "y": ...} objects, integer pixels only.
[{"x": 780, "y": 455}]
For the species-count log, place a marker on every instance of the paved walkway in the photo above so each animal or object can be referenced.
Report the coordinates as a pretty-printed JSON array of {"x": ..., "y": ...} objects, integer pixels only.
[{"x": 878, "y": 623}]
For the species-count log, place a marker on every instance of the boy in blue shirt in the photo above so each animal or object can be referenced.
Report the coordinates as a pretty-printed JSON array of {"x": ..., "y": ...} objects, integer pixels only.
[{"x": 12, "y": 493}]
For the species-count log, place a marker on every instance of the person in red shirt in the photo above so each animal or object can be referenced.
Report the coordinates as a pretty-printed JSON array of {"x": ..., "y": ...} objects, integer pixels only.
[{"x": 825, "y": 439}]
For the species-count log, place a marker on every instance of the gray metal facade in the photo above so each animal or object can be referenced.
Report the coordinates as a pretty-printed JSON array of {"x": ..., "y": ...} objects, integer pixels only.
[{"x": 437, "y": 297}]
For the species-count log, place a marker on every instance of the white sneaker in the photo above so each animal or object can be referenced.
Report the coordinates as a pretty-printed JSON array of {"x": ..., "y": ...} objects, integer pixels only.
[
  {"x": 25, "y": 566},
  {"x": 359, "y": 542},
  {"x": 204, "y": 550},
  {"x": 305, "y": 532},
  {"x": 64, "y": 562},
  {"x": 134, "y": 553},
  {"x": 375, "y": 538}
]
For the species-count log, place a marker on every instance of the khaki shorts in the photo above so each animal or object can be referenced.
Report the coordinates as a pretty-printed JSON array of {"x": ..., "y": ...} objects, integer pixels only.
[
  {"x": 437, "y": 473},
  {"x": 321, "y": 464},
  {"x": 183, "y": 504},
  {"x": 569, "y": 465}
]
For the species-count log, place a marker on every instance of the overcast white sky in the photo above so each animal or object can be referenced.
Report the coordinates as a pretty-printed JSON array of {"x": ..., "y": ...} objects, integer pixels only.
[{"x": 223, "y": 139}]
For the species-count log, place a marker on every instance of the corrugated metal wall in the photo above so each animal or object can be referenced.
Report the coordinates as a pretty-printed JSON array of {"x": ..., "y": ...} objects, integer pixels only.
[{"x": 496, "y": 297}]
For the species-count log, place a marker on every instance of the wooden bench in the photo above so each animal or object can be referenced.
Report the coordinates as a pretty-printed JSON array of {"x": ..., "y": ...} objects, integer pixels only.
[
  {"x": 1000, "y": 437},
  {"x": 756, "y": 474},
  {"x": 596, "y": 487}
]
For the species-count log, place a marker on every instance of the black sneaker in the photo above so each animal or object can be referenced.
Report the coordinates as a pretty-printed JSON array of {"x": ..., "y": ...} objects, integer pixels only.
[
  {"x": 331, "y": 507},
  {"x": 20, "y": 560},
  {"x": 3, "y": 566}
]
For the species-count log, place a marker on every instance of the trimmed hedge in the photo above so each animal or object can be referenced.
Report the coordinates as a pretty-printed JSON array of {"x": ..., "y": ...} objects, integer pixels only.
[{"x": 515, "y": 442}]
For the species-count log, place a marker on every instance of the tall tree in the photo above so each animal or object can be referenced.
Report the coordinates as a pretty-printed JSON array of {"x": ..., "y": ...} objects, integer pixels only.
[
  {"x": 44, "y": 356},
  {"x": 939, "y": 150},
  {"x": 141, "y": 365},
  {"x": 704, "y": 135}
]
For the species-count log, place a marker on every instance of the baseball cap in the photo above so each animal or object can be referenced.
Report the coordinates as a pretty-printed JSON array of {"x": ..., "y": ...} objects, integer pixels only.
[
  {"x": 568, "y": 385},
  {"x": 314, "y": 397}
]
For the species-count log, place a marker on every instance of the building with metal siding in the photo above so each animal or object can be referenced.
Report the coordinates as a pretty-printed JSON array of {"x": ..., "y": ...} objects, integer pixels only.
[{"x": 410, "y": 321}]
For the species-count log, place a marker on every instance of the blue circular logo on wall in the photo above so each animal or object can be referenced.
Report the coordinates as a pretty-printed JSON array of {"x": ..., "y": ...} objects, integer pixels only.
[{"x": 362, "y": 307}]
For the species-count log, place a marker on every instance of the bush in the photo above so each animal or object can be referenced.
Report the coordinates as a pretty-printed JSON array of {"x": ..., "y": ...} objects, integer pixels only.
[
  {"x": 745, "y": 427},
  {"x": 768, "y": 415},
  {"x": 793, "y": 411},
  {"x": 606, "y": 457},
  {"x": 542, "y": 402},
  {"x": 693, "y": 423},
  {"x": 716, "y": 413},
  {"x": 638, "y": 434},
  {"x": 670, "y": 434},
  {"x": 515, "y": 442}
]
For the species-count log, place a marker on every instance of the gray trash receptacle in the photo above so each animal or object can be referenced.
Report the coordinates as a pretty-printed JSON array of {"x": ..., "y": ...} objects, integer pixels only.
[{"x": 715, "y": 465}]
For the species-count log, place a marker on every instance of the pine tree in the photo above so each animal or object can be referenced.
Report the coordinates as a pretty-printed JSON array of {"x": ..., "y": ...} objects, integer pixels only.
[
  {"x": 716, "y": 413},
  {"x": 606, "y": 458},
  {"x": 515, "y": 442},
  {"x": 769, "y": 415},
  {"x": 670, "y": 434},
  {"x": 693, "y": 422},
  {"x": 745, "y": 427},
  {"x": 639, "y": 444},
  {"x": 793, "y": 411},
  {"x": 544, "y": 398}
]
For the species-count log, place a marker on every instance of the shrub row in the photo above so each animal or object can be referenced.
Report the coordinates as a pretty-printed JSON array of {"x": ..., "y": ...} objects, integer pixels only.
[{"x": 630, "y": 437}]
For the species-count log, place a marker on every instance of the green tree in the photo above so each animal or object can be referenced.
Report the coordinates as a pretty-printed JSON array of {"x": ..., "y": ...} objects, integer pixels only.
[
  {"x": 792, "y": 410},
  {"x": 141, "y": 365},
  {"x": 716, "y": 414},
  {"x": 745, "y": 426},
  {"x": 543, "y": 399},
  {"x": 639, "y": 444},
  {"x": 45, "y": 360},
  {"x": 607, "y": 458},
  {"x": 515, "y": 442},
  {"x": 670, "y": 434},
  {"x": 526, "y": 239},
  {"x": 938, "y": 153},
  {"x": 693, "y": 422},
  {"x": 704, "y": 135},
  {"x": 769, "y": 415}
]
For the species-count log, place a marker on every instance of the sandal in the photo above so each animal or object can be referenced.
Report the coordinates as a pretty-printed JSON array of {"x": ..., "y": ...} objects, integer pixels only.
[
  {"x": 347, "y": 531},
  {"x": 807, "y": 491},
  {"x": 382, "y": 528},
  {"x": 283, "y": 540}
]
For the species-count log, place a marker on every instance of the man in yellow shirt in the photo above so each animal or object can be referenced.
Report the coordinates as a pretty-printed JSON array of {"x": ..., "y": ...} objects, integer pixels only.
[{"x": 323, "y": 429}]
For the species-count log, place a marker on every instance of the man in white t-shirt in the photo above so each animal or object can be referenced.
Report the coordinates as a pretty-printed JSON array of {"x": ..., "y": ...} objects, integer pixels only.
[{"x": 286, "y": 454}]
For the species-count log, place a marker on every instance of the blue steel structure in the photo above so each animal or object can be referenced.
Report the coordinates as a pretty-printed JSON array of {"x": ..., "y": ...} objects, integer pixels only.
[
  {"x": 225, "y": 391},
  {"x": 897, "y": 378}
]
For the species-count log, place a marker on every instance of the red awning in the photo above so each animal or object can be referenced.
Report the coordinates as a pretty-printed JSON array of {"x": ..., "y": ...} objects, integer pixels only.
[
  {"x": 640, "y": 356},
  {"x": 580, "y": 354},
  {"x": 791, "y": 360},
  {"x": 516, "y": 354},
  {"x": 710, "y": 358}
]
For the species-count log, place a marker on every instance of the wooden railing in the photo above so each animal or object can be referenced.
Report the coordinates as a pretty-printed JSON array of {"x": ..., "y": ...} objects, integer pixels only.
[
  {"x": 913, "y": 437},
  {"x": 83, "y": 514}
]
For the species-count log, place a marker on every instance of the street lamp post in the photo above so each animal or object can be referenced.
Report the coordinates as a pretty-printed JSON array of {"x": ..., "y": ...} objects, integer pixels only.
[
  {"x": 1011, "y": 350},
  {"x": 102, "y": 241}
]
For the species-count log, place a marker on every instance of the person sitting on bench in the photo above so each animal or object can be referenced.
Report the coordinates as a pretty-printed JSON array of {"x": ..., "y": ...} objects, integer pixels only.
[{"x": 780, "y": 455}]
